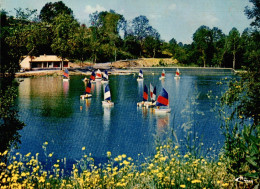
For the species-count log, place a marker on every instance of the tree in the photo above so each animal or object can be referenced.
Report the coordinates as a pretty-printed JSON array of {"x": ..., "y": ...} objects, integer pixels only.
[
  {"x": 64, "y": 27},
  {"x": 233, "y": 44},
  {"x": 51, "y": 10},
  {"x": 219, "y": 42},
  {"x": 254, "y": 13},
  {"x": 202, "y": 40},
  {"x": 141, "y": 29},
  {"x": 80, "y": 44}
]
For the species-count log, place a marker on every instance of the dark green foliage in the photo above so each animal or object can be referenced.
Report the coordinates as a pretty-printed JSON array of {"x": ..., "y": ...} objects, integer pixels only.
[
  {"x": 51, "y": 10},
  {"x": 9, "y": 119}
]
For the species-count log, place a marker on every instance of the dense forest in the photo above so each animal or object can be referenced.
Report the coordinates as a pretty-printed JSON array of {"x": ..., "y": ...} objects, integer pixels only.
[{"x": 110, "y": 37}]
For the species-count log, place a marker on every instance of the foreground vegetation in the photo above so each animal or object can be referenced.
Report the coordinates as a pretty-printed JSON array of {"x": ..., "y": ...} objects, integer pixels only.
[{"x": 166, "y": 169}]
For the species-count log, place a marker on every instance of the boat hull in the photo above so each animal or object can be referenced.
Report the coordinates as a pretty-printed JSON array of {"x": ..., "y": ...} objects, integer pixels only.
[
  {"x": 106, "y": 103},
  {"x": 104, "y": 81},
  {"x": 66, "y": 79},
  {"x": 140, "y": 79},
  {"x": 162, "y": 111},
  {"x": 149, "y": 104},
  {"x": 85, "y": 96},
  {"x": 161, "y": 78}
]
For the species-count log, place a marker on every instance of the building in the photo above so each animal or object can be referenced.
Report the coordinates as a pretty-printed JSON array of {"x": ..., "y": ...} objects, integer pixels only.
[{"x": 43, "y": 62}]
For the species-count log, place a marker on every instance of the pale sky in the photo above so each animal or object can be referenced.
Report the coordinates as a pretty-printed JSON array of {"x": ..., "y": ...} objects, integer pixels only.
[{"x": 177, "y": 19}]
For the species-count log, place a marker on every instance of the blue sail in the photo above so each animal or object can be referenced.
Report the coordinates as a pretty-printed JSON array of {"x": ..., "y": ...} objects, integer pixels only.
[
  {"x": 162, "y": 99},
  {"x": 107, "y": 95}
]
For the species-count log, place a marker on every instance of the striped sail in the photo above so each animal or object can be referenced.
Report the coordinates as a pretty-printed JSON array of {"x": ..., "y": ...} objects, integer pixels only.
[
  {"x": 88, "y": 88},
  {"x": 162, "y": 99},
  {"x": 105, "y": 76},
  {"x": 93, "y": 76},
  {"x": 66, "y": 73},
  {"x": 107, "y": 95},
  {"x": 140, "y": 74},
  {"x": 153, "y": 98},
  {"x": 98, "y": 74},
  {"x": 163, "y": 73},
  {"x": 177, "y": 72},
  {"x": 145, "y": 93},
  {"x": 151, "y": 91}
]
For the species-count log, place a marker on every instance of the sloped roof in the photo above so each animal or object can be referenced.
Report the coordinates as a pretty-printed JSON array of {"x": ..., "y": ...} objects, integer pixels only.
[{"x": 48, "y": 58}]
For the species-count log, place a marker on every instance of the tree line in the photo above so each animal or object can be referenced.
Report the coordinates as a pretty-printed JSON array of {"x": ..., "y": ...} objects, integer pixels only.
[{"x": 110, "y": 37}]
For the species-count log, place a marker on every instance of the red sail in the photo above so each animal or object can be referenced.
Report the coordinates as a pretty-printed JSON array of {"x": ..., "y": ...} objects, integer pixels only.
[{"x": 163, "y": 101}]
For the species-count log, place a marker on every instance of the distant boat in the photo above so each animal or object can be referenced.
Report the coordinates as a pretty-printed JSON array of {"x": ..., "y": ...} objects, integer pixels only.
[
  {"x": 145, "y": 97},
  {"x": 162, "y": 75},
  {"x": 93, "y": 77},
  {"x": 105, "y": 77},
  {"x": 152, "y": 97},
  {"x": 87, "y": 91},
  {"x": 162, "y": 101},
  {"x": 177, "y": 74},
  {"x": 140, "y": 76},
  {"x": 98, "y": 75},
  {"x": 66, "y": 76},
  {"x": 107, "y": 97},
  {"x": 85, "y": 80}
]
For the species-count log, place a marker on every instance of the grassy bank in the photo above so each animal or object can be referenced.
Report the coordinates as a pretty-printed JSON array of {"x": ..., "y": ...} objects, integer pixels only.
[{"x": 166, "y": 169}]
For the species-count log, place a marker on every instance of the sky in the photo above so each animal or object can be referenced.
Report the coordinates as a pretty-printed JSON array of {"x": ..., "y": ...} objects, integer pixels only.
[{"x": 178, "y": 19}]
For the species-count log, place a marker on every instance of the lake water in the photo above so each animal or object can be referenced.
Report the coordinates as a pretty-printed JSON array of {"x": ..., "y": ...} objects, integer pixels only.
[{"x": 53, "y": 112}]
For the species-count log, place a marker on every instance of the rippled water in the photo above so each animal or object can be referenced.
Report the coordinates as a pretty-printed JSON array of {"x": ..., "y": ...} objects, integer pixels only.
[{"x": 53, "y": 112}]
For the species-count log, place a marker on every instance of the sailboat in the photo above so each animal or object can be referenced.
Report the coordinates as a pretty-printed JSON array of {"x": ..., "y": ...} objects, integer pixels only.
[
  {"x": 87, "y": 91},
  {"x": 98, "y": 75},
  {"x": 93, "y": 77},
  {"x": 152, "y": 97},
  {"x": 162, "y": 101},
  {"x": 66, "y": 76},
  {"x": 162, "y": 75},
  {"x": 145, "y": 97},
  {"x": 140, "y": 76},
  {"x": 105, "y": 77},
  {"x": 107, "y": 97},
  {"x": 177, "y": 74}
]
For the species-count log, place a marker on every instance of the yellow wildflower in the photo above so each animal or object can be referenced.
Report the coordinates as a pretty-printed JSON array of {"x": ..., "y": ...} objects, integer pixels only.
[
  {"x": 219, "y": 163},
  {"x": 195, "y": 181},
  {"x": 182, "y": 186},
  {"x": 51, "y": 154},
  {"x": 225, "y": 184},
  {"x": 83, "y": 148},
  {"x": 108, "y": 154},
  {"x": 123, "y": 156},
  {"x": 45, "y": 143}
]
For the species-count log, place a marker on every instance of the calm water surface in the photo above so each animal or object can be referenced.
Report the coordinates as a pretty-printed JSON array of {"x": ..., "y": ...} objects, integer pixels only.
[{"x": 53, "y": 112}]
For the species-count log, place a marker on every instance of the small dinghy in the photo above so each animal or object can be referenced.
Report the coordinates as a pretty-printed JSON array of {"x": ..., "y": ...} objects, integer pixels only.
[
  {"x": 107, "y": 97},
  {"x": 150, "y": 104},
  {"x": 66, "y": 76},
  {"x": 162, "y": 75},
  {"x": 140, "y": 76},
  {"x": 177, "y": 74},
  {"x": 87, "y": 92},
  {"x": 162, "y": 101},
  {"x": 145, "y": 97},
  {"x": 105, "y": 77}
]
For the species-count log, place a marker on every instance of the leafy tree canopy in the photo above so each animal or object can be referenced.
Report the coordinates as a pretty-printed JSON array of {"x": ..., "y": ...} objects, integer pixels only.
[{"x": 51, "y": 10}]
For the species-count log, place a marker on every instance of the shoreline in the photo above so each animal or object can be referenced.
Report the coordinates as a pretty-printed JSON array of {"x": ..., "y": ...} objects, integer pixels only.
[{"x": 114, "y": 71}]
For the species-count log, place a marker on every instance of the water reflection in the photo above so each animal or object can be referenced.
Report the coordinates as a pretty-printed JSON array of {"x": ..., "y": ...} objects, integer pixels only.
[
  {"x": 140, "y": 89},
  {"x": 163, "y": 126},
  {"x": 106, "y": 118},
  {"x": 65, "y": 87},
  {"x": 98, "y": 88}
]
